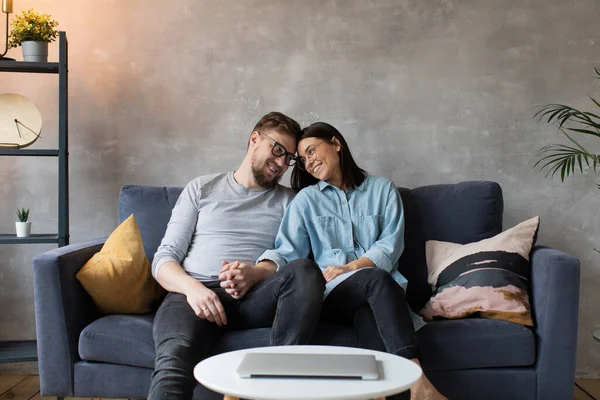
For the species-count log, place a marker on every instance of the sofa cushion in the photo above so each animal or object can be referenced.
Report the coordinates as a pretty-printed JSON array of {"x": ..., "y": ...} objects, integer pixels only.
[
  {"x": 475, "y": 343},
  {"x": 460, "y": 213},
  {"x": 454, "y": 344},
  {"x": 127, "y": 340},
  {"x": 489, "y": 278},
  {"x": 152, "y": 207},
  {"x": 118, "y": 277},
  {"x": 120, "y": 339}
]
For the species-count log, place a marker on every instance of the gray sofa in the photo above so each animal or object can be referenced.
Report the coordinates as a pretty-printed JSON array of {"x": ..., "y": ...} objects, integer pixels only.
[{"x": 84, "y": 354}]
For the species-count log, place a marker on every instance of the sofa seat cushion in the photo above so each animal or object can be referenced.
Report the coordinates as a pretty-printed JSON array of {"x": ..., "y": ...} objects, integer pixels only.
[
  {"x": 444, "y": 345},
  {"x": 475, "y": 343},
  {"x": 127, "y": 339},
  {"x": 119, "y": 339}
]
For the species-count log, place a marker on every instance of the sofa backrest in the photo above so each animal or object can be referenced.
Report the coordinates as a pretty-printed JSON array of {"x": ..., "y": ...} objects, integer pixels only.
[
  {"x": 460, "y": 213},
  {"x": 151, "y": 206}
]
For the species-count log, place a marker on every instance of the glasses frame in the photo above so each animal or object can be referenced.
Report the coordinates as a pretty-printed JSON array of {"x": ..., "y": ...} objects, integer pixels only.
[
  {"x": 289, "y": 160},
  {"x": 302, "y": 160}
]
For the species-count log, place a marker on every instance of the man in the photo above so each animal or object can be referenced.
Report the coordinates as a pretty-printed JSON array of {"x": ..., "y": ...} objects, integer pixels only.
[{"x": 220, "y": 225}]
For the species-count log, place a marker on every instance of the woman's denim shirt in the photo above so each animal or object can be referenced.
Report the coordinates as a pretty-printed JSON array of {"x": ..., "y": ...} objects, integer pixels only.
[{"x": 338, "y": 227}]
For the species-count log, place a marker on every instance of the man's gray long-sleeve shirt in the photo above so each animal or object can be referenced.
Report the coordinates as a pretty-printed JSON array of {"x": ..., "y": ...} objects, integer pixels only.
[{"x": 216, "y": 219}]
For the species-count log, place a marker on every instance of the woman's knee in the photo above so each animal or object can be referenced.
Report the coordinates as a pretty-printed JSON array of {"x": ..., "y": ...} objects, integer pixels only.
[
  {"x": 377, "y": 274},
  {"x": 306, "y": 271},
  {"x": 381, "y": 280}
]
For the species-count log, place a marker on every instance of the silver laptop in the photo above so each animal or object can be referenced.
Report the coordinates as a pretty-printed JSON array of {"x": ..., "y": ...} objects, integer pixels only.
[{"x": 303, "y": 365}]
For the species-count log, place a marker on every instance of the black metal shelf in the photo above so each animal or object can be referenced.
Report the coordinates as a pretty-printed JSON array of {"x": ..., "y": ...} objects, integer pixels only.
[
  {"x": 35, "y": 238},
  {"x": 18, "y": 351},
  {"x": 29, "y": 67},
  {"x": 24, "y": 351},
  {"x": 29, "y": 152}
]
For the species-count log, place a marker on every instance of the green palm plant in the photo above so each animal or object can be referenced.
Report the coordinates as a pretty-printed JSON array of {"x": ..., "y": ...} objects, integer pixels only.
[{"x": 569, "y": 158}]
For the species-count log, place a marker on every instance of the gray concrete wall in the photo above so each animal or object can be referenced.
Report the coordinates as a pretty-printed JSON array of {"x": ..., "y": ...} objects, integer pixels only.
[{"x": 426, "y": 92}]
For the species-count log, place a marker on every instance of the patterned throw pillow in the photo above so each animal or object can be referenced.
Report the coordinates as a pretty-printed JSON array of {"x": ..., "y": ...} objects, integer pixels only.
[{"x": 489, "y": 278}]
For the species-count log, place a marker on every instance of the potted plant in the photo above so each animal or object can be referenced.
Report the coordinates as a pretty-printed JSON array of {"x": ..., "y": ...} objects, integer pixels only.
[
  {"x": 33, "y": 31},
  {"x": 23, "y": 226},
  {"x": 567, "y": 158}
]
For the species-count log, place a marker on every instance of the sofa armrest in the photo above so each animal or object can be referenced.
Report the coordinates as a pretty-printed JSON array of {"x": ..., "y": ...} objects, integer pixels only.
[
  {"x": 62, "y": 309},
  {"x": 555, "y": 297}
]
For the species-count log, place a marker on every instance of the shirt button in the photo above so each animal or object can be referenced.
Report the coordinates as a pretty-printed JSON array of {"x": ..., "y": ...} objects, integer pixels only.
[{"x": 343, "y": 202}]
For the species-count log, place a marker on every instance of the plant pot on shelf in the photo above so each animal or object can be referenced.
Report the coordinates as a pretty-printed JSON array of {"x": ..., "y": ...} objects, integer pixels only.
[
  {"x": 35, "y": 51},
  {"x": 23, "y": 229}
]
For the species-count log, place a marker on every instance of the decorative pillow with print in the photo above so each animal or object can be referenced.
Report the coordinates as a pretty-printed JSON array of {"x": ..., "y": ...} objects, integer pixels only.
[{"x": 489, "y": 278}]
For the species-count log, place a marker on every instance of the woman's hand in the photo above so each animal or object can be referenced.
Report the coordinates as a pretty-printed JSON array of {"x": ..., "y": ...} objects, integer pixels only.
[{"x": 333, "y": 271}]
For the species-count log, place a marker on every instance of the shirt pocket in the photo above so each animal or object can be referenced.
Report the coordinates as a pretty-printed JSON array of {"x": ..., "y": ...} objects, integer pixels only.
[
  {"x": 368, "y": 230},
  {"x": 326, "y": 232}
]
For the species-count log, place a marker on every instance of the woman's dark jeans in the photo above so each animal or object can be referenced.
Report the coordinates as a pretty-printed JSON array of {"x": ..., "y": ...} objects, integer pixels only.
[
  {"x": 289, "y": 302},
  {"x": 374, "y": 303}
]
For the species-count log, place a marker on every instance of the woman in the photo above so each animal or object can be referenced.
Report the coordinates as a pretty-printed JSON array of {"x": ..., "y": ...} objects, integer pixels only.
[{"x": 353, "y": 225}]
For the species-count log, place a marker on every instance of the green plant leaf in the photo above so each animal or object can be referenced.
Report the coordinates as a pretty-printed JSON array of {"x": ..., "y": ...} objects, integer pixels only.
[
  {"x": 585, "y": 131},
  {"x": 562, "y": 172},
  {"x": 570, "y": 122},
  {"x": 31, "y": 25},
  {"x": 594, "y": 100}
]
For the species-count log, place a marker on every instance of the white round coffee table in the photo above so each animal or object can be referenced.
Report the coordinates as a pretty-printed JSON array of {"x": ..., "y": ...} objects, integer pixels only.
[{"x": 218, "y": 373}]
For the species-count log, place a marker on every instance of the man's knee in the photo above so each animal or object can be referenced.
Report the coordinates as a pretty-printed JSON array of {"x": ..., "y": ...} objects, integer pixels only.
[{"x": 176, "y": 347}]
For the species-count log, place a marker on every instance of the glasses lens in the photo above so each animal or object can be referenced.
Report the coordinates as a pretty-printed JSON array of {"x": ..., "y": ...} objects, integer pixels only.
[
  {"x": 278, "y": 150},
  {"x": 290, "y": 160}
]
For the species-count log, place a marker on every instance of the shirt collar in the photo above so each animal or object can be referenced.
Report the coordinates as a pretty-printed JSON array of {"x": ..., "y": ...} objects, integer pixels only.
[{"x": 323, "y": 184}]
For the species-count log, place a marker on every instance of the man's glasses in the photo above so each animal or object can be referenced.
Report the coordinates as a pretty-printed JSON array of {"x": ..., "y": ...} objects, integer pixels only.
[
  {"x": 278, "y": 150},
  {"x": 310, "y": 153}
]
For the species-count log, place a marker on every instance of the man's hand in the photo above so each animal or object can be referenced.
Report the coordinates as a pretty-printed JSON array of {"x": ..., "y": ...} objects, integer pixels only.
[
  {"x": 237, "y": 278},
  {"x": 335, "y": 270},
  {"x": 205, "y": 303}
]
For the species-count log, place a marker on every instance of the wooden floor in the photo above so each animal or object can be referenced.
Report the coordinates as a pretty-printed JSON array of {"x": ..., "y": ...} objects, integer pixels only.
[
  {"x": 27, "y": 387},
  {"x": 587, "y": 389},
  {"x": 23, "y": 387}
]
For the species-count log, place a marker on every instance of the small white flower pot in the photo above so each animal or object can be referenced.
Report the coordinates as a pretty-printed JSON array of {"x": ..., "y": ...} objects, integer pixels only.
[
  {"x": 23, "y": 229},
  {"x": 35, "y": 51}
]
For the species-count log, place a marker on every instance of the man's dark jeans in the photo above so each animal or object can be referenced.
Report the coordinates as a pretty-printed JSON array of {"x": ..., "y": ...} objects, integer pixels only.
[{"x": 289, "y": 302}]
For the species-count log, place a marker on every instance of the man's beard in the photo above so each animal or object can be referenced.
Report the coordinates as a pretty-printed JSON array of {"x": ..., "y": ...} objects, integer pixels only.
[{"x": 262, "y": 179}]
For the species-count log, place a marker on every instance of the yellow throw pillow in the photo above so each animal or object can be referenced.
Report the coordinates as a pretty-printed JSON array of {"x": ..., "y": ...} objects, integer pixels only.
[{"x": 119, "y": 277}]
